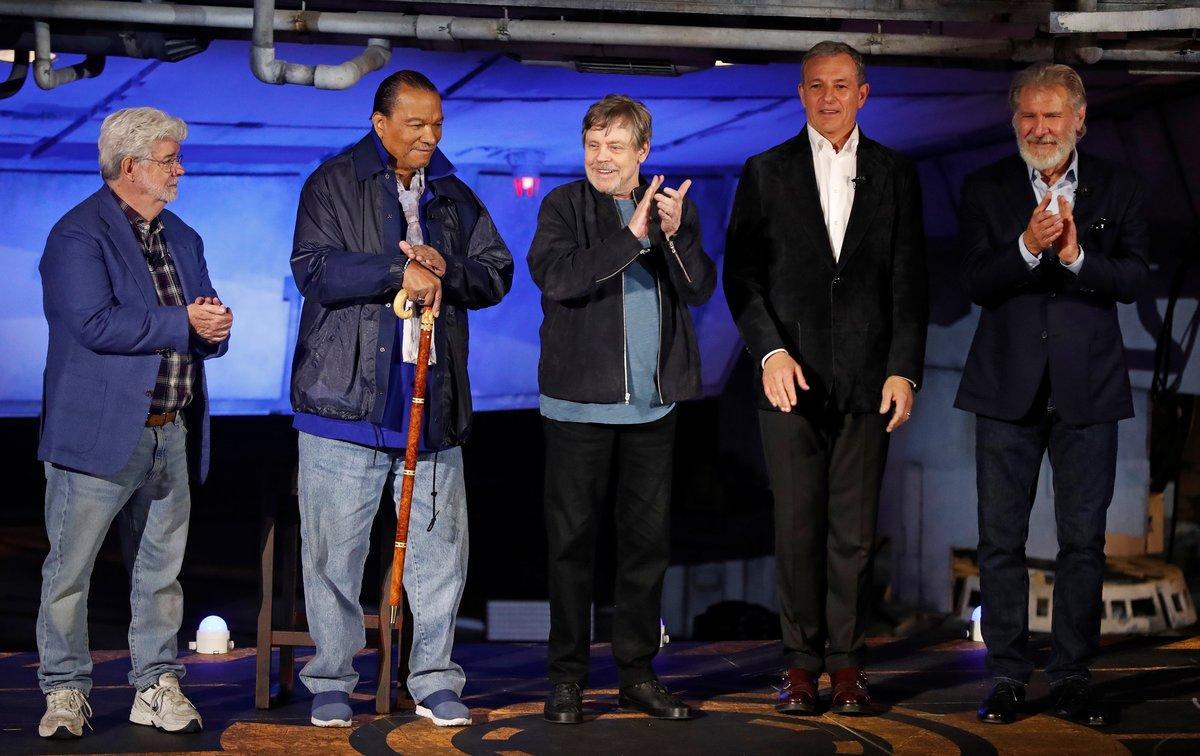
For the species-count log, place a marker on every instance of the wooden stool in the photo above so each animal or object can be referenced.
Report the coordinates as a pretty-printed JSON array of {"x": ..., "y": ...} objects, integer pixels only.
[{"x": 280, "y": 538}]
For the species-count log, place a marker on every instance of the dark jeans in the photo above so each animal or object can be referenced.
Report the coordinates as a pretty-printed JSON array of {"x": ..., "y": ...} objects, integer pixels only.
[
  {"x": 1008, "y": 456},
  {"x": 825, "y": 473},
  {"x": 579, "y": 464}
]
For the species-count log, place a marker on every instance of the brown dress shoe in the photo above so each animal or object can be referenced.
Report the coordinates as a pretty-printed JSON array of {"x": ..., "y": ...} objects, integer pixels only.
[
  {"x": 799, "y": 692},
  {"x": 850, "y": 694}
]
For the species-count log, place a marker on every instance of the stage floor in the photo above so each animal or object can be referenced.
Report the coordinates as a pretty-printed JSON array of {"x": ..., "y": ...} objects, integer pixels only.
[{"x": 928, "y": 688}]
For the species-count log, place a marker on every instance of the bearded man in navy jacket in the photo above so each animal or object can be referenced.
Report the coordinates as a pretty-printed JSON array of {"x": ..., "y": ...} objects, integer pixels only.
[{"x": 1052, "y": 240}]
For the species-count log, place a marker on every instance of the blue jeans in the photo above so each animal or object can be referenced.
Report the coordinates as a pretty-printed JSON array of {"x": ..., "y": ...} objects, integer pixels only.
[
  {"x": 150, "y": 499},
  {"x": 1008, "y": 457},
  {"x": 339, "y": 485}
]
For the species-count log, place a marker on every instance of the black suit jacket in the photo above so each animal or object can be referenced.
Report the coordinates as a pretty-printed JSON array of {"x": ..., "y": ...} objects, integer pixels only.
[
  {"x": 849, "y": 324},
  {"x": 1048, "y": 320}
]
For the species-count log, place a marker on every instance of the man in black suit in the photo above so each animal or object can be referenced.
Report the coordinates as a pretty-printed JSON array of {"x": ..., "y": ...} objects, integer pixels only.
[
  {"x": 1051, "y": 241},
  {"x": 825, "y": 277}
]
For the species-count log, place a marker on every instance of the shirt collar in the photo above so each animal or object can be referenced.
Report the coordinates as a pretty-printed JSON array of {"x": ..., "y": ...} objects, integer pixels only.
[
  {"x": 820, "y": 144},
  {"x": 1071, "y": 176}
]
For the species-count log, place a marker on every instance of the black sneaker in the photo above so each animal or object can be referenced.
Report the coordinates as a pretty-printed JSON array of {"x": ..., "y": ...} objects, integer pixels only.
[
  {"x": 1073, "y": 699},
  {"x": 652, "y": 698},
  {"x": 564, "y": 705}
]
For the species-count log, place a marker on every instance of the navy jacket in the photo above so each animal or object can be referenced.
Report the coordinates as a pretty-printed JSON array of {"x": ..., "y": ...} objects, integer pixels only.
[
  {"x": 106, "y": 333},
  {"x": 347, "y": 335},
  {"x": 1048, "y": 320}
]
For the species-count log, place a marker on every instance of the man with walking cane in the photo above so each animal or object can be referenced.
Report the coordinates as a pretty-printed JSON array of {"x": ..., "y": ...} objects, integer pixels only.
[{"x": 387, "y": 214}]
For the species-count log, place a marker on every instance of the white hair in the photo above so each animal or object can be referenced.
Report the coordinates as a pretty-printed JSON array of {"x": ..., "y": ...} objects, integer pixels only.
[{"x": 132, "y": 132}]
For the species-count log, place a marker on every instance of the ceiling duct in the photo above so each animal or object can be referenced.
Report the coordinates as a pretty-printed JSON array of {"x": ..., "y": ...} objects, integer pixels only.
[{"x": 628, "y": 67}]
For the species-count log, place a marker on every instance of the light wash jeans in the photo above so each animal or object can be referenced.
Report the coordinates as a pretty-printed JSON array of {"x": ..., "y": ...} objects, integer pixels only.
[
  {"x": 151, "y": 502},
  {"x": 339, "y": 485}
]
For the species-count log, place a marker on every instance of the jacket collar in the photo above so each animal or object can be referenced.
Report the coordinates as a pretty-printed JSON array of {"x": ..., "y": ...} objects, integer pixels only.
[{"x": 370, "y": 158}]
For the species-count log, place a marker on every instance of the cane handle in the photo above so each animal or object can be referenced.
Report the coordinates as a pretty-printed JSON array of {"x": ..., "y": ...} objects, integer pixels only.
[{"x": 402, "y": 305}]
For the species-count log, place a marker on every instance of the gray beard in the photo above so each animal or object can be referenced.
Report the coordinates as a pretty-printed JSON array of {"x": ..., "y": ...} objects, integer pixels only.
[
  {"x": 164, "y": 194},
  {"x": 1061, "y": 152}
]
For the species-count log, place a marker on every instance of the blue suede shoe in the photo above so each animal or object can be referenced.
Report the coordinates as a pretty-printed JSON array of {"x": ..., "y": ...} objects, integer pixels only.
[
  {"x": 445, "y": 709},
  {"x": 331, "y": 709}
]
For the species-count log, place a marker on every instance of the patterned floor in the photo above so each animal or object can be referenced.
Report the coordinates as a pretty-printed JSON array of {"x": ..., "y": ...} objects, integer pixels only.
[{"x": 927, "y": 688}]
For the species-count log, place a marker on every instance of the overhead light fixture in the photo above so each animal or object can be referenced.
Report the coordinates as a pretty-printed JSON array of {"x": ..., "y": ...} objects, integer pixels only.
[{"x": 527, "y": 171}]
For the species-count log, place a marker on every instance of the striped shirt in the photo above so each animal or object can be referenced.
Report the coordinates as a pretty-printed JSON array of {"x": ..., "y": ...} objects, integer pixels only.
[{"x": 177, "y": 372}]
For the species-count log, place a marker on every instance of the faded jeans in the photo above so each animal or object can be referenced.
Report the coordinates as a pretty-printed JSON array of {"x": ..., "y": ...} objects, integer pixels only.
[
  {"x": 340, "y": 484},
  {"x": 149, "y": 498}
]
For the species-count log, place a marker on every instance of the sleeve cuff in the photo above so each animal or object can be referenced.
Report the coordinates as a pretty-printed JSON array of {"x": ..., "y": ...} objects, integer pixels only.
[
  {"x": 1075, "y": 266},
  {"x": 397, "y": 270},
  {"x": 1030, "y": 259},
  {"x": 763, "y": 364}
]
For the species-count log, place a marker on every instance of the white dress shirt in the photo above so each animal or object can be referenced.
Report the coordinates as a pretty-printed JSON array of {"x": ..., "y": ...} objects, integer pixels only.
[
  {"x": 835, "y": 170},
  {"x": 1064, "y": 187}
]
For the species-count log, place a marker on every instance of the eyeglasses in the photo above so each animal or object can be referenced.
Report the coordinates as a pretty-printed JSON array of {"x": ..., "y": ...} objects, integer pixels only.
[{"x": 167, "y": 164}]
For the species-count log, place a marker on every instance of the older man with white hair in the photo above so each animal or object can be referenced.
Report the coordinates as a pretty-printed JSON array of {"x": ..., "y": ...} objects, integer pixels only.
[
  {"x": 1051, "y": 241},
  {"x": 132, "y": 316}
]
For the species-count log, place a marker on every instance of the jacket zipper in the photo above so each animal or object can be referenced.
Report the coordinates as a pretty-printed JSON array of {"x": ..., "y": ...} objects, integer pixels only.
[
  {"x": 658, "y": 355},
  {"x": 624, "y": 342},
  {"x": 678, "y": 259}
]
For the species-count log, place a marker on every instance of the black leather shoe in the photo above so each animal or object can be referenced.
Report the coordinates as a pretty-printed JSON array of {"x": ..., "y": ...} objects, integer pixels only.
[
  {"x": 652, "y": 698},
  {"x": 564, "y": 705},
  {"x": 1073, "y": 699},
  {"x": 1000, "y": 706}
]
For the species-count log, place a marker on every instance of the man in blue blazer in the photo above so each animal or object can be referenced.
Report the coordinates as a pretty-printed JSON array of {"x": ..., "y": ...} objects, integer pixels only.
[
  {"x": 1051, "y": 241},
  {"x": 132, "y": 317}
]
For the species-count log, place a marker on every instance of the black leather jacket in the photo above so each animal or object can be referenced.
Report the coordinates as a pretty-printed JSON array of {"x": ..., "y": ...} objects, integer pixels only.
[
  {"x": 347, "y": 326},
  {"x": 576, "y": 259}
]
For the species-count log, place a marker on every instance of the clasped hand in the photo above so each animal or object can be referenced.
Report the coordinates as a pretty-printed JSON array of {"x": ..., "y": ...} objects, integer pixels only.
[
  {"x": 670, "y": 208},
  {"x": 210, "y": 319},
  {"x": 423, "y": 281},
  {"x": 1047, "y": 229}
]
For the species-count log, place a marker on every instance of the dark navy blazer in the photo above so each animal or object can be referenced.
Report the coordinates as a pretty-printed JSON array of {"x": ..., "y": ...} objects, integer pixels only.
[
  {"x": 1049, "y": 321},
  {"x": 106, "y": 334}
]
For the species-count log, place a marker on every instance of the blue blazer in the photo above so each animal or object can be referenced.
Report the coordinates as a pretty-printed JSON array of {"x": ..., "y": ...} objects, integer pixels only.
[
  {"x": 1049, "y": 321},
  {"x": 106, "y": 330}
]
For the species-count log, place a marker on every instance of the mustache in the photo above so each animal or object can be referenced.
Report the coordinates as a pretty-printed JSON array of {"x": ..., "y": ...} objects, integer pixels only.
[{"x": 1042, "y": 140}]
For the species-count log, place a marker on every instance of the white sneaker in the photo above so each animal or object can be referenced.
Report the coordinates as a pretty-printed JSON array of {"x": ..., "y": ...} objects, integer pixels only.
[
  {"x": 67, "y": 711},
  {"x": 164, "y": 706}
]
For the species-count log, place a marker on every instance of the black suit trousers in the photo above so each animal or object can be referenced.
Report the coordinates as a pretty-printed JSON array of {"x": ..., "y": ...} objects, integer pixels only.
[
  {"x": 1008, "y": 456},
  {"x": 580, "y": 462},
  {"x": 825, "y": 472}
]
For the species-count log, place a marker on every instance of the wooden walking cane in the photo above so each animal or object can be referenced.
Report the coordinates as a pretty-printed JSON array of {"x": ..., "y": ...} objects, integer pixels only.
[{"x": 416, "y": 412}]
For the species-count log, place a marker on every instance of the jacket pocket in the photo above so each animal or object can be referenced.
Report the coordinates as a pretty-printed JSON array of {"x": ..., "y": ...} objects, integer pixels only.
[{"x": 77, "y": 398}]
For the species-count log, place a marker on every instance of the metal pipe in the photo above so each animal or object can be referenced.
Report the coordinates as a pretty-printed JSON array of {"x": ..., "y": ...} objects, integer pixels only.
[
  {"x": 1148, "y": 56},
  {"x": 1075, "y": 22},
  {"x": 44, "y": 72},
  {"x": 267, "y": 68},
  {"x": 451, "y": 28},
  {"x": 16, "y": 75}
]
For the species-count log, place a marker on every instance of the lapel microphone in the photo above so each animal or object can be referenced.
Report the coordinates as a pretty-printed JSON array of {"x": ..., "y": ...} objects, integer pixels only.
[
  {"x": 1085, "y": 191},
  {"x": 857, "y": 180}
]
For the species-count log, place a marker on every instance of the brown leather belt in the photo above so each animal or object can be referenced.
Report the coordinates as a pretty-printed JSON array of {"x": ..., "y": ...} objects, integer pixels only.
[{"x": 158, "y": 421}]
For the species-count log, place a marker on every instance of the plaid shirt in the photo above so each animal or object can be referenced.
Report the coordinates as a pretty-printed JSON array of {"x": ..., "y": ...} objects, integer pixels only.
[{"x": 177, "y": 372}]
